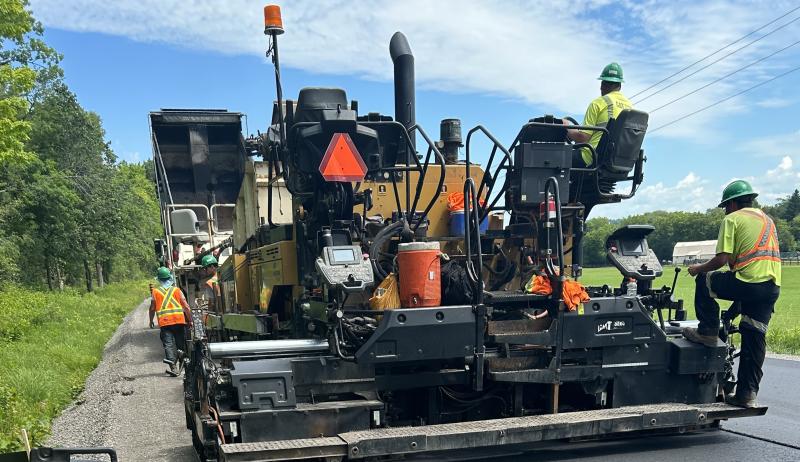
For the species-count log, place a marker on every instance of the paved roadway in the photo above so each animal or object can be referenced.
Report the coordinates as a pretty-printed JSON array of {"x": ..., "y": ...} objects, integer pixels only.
[
  {"x": 780, "y": 390},
  {"x": 131, "y": 405}
]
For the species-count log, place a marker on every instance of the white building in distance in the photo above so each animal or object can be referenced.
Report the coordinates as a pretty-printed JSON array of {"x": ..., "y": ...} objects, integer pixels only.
[{"x": 686, "y": 253}]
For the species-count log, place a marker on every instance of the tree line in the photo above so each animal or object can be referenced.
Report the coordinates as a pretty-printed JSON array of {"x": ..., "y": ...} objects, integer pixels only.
[
  {"x": 71, "y": 213},
  {"x": 674, "y": 227}
]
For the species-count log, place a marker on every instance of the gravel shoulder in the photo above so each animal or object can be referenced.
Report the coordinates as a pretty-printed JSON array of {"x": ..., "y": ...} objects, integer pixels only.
[{"x": 129, "y": 402}]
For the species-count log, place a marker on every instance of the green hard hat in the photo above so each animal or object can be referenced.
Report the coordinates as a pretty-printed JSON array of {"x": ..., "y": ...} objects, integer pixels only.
[
  {"x": 163, "y": 273},
  {"x": 208, "y": 260},
  {"x": 612, "y": 73},
  {"x": 736, "y": 188}
]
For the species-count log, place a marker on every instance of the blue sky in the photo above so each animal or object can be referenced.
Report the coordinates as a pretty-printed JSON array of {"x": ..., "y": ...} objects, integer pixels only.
[{"x": 494, "y": 63}]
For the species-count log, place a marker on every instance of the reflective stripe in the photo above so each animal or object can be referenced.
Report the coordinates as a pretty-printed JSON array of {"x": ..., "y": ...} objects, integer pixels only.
[
  {"x": 767, "y": 234},
  {"x": 766, "y": 248},
  {"x": 759, "y": 255},
  {"x": 609, "y": 107},
  {"x": 169, "y": 311},
  {"x": 708, "y": 284},
  {"x": 167, "y": 298},
  {"x": 757, "y": 325}
]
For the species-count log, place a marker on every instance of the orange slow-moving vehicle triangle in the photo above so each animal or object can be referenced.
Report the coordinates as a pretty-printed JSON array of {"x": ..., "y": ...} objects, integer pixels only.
[{"x": 342, "y": 161}]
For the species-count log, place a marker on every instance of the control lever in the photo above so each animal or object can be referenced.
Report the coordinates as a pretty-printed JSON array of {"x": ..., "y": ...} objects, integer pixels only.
[
  {"x": 675, "y": 279},
  {"x": 680, "y": 313}
]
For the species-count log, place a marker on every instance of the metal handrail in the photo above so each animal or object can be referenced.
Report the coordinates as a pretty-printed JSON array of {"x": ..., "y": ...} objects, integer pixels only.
[
  {"x": 506, "y": 158},
  {"x": 214, "y": 228},
  {"x": 472, "y": 218},
  {"x": 443, "y": 172}
]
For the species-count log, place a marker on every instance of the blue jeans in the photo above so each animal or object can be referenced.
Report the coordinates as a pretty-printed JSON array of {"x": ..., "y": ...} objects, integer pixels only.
[{"x": 173, "y": 339}]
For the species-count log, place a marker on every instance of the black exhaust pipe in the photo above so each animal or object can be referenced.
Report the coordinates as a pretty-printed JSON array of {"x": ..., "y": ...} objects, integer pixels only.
[{"x": 404, "y": 104}]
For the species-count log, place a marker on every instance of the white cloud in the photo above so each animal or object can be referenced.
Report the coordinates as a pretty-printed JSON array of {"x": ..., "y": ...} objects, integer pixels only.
[
  {"x": 775, "y": 103},
  {"x": 779, "y": 181},
  {"x": 785, "y": 144},
  {"x": 695, "y": 194},
  {"x": 531, "y": 50},
  {"x": 689, "y": 194},
  {"x": 784, "y": 167}
]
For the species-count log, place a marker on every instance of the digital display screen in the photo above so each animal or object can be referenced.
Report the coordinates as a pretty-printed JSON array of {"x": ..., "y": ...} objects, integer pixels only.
[
  {"x": 343, "y": 255},
  {"x": 632, "y": 247}
]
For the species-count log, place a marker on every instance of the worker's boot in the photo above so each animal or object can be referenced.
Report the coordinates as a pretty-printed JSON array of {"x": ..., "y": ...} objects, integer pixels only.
[
  {"x": 693, "y": 335},
  {"x": 180, "y": 362},
  {"x": 746, "y": 399},
  {"x": 173, "y": 370}
]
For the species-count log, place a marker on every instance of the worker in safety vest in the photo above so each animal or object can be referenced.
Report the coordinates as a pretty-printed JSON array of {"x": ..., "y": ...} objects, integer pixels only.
[
  {"x": 172, "y": 310},
  {"x": 748, "y": 244},
  {"x": 209, "y": 281},
  {"x": 608, "y": 106}
]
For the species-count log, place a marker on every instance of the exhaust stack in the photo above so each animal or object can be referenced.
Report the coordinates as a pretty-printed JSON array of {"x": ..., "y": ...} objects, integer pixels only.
[{"x": 404, "y": 103}]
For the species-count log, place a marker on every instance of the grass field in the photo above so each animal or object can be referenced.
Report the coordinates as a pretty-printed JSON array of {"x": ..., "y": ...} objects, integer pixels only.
[
  {"x": 49, "y": 343},
  {"x": 784, "y": 328}
]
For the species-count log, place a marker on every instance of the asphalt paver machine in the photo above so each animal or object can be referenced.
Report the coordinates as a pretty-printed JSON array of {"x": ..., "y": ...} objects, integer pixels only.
[{"x": 320, "y": 359}]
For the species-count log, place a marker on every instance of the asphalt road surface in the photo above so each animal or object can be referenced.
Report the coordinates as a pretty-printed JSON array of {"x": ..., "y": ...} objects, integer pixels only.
[{"x": 130, "y": 404}]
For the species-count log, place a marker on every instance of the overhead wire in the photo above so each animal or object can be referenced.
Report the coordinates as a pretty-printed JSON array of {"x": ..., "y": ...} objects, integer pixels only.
[
  {"x": 716, "y": 51},
  {"x": 726, "y": 99},
  {"x": 725, "y": 76},
  {"x": 717, "y": 60}
]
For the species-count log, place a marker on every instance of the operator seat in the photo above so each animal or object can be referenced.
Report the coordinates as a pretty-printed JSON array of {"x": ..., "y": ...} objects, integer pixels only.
[{"x": 619, "y": 150}]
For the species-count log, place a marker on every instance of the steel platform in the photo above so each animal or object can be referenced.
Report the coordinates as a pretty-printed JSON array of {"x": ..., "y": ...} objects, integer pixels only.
[{"x": 508, "y": 431}]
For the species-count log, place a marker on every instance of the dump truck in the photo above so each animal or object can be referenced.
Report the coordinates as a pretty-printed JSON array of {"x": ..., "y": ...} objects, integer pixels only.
[{"x": 384, "y": 295}]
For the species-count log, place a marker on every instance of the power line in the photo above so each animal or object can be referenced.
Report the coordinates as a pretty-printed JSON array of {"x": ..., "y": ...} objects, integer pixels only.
[
  {"x": 718, "y": 60},
  {"x": 725, "y": 76},
  {"x": 717, "y": 51},
  {"x": 725, "y": 99}
]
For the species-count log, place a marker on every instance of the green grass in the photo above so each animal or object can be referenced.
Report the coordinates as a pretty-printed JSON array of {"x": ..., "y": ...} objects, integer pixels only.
[
  {"x": 49, "y": 343},
  {"x": 784, "y": 328}
]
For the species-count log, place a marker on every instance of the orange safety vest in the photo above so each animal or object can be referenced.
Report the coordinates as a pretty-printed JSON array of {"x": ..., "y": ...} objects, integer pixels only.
[
  {"x": 168, "y": 306},
  {"x": 767, "y": 246}
]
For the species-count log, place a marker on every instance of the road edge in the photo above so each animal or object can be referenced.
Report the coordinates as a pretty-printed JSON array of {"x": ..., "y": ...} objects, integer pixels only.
[{"x": 95, "y": 401}]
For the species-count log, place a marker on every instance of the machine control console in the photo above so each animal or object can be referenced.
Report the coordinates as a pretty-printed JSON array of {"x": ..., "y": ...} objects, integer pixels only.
[
  {"x": 628, "y": 250},
  {"x": 345, "y": 266}
]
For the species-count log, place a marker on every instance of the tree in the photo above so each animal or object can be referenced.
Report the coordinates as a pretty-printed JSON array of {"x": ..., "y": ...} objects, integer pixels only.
[
  {"x": 25, "y": 60},
  {"x": 73, "y": 140},
  {"x": 68, "y": 212},
  {"x": 785, "y": 237},
  {"x": 594, "y": 239},
  {"x": 45, "y": 222},
  {"x": 139, "y": 206},
  {"x": 794, "y": 226},
  {"x": 792, "y": 206}
]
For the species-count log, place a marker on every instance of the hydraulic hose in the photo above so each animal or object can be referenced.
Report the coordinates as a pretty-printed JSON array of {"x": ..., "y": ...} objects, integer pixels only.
[{"x": 381, "y": 238}]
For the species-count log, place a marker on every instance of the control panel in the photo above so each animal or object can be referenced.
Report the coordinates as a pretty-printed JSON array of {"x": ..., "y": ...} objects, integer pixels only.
[
  {"x": 345, "y": 266},
  {"x": 628, "y": 250}
]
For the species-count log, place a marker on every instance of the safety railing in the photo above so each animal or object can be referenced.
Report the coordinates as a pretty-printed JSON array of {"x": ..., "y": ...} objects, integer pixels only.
[
  {"x": 489, "y": 179},
  {"x": 214, "y": 219},
  {"x": 208, "y": 233},
  {"x": 472, "y": 224}
]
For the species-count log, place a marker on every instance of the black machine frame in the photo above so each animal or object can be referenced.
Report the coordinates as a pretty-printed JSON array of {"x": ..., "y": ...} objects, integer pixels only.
[{"x": 505, "y": 367}]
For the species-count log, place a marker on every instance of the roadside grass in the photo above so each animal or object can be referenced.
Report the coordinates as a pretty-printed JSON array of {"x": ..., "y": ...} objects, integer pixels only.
[
  {"x": 49, "y": 343},
  {"x": 783, "y": 335}
]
